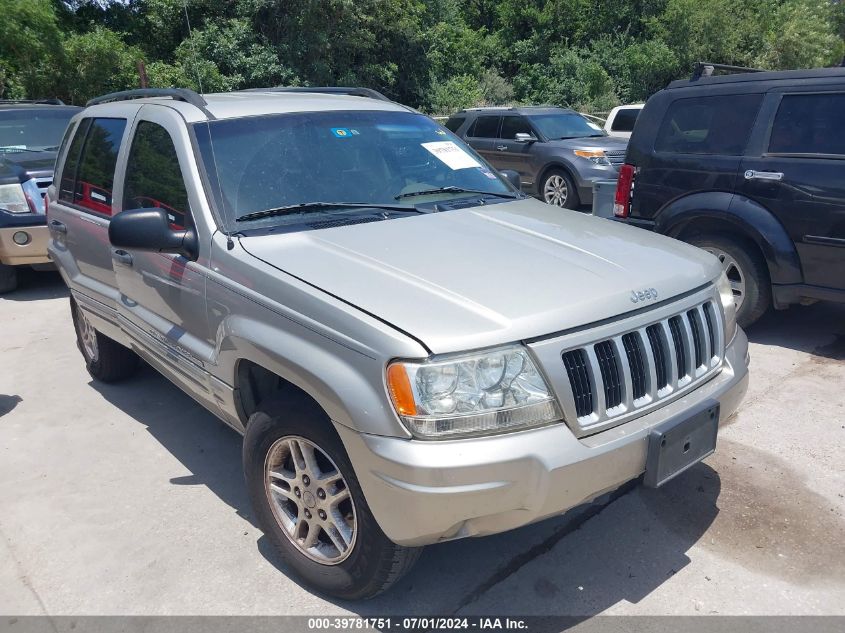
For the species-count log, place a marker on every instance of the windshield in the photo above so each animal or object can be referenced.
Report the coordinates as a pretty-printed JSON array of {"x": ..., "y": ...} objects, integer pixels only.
[
  {"x": 375, "y": 157},
  {"x": 33, "y": 129},
  {"x": 565, "y": 125}
]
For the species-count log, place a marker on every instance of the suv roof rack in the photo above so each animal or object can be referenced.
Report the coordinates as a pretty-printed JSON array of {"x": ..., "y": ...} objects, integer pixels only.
[
  {"x": 34, "y": 101},
  {"x": 338, "y": 90},
  {"x": 177, "y": 94},
  {"x": 706, "y": 69}
]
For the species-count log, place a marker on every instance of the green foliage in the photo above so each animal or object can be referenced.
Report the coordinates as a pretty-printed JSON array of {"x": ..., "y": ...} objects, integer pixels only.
[
  {"x": 30, "y": 48},
  {"x": 434, "y": 54},
  {"x": 97, "y": 62},
  {"x": 454, "y": 94}
]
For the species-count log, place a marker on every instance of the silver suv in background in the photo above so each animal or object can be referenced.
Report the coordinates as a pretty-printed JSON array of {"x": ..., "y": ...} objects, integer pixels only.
[
  {"x": 414, "y": 351},
  {"x": 557, "y": 152}
]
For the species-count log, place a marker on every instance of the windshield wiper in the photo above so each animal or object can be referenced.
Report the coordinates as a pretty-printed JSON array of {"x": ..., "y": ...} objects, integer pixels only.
[
  {"x": 311, "y": 206},
  {"x": 451, "y": 189}
]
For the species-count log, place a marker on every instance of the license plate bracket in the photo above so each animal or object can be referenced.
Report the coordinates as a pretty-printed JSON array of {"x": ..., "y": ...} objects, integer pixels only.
[{"x": 680, "y": 443}]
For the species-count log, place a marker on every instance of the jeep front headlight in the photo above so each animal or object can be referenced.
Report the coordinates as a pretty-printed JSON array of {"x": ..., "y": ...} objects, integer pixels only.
[
  {"x": 471, "y": 394},
  {"x": 726, "y": 294}
]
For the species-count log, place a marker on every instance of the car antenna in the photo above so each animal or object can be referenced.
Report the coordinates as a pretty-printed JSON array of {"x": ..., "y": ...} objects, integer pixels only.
[{"x": 230, "y": 243}]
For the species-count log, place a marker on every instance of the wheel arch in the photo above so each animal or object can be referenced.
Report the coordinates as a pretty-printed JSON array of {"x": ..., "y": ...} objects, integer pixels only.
[
  {"x": 724, "y": 212},
  {"x": 344, "y": 384}
]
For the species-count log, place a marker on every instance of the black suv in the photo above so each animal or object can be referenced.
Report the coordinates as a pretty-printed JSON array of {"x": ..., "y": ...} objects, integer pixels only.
[{"x": 750, "y": 167}]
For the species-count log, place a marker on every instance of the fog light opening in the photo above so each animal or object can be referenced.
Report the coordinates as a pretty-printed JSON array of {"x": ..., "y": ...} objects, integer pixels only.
[{"x": 21, "y": 238}]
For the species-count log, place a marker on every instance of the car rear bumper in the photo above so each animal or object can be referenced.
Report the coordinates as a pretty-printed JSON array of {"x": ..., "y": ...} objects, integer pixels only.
[
  {"x": 422, "y": 492},
  {"x": 34, "y": 251}
]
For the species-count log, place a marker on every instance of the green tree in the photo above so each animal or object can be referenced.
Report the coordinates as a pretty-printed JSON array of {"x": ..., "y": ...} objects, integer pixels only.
[
  {"x": 97, "y": 62},
  {"x": 802, "y": 34},
  {"x": 30, "y": 48}
]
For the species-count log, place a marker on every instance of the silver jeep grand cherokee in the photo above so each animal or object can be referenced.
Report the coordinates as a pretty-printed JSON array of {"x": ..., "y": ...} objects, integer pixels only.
[{"x": 413, "y": 350}]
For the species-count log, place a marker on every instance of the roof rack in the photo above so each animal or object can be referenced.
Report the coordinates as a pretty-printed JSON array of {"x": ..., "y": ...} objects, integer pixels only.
[
  {"x": 706, "y": 69},
  {"x": 338, "y": 90},
  {"x": 35, "y": 101},
  {"x": 177, "y": 94}
]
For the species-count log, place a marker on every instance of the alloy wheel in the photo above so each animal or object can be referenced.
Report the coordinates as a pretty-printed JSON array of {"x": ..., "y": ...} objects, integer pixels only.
[
  {"x": 733, "y": 272},
  {"x": 556, "y": 191},
  {"x": 87, "y": 336},
  {"x": 310, "y": 500}
]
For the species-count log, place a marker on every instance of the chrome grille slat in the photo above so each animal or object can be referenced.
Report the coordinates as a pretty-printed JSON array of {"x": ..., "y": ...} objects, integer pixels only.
[{"x": 615, "y": 376}]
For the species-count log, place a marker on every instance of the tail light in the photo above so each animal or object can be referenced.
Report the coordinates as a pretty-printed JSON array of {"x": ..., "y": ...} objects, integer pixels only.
[
  {"x": 46, "y": 205},
  {"x": 624, "y": 187}
]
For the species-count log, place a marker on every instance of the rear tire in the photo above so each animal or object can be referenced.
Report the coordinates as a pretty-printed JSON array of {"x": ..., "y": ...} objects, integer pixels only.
[
  {"x": 558, "y": 189},
  {"x": 746, "y": 270},
  {"x": 105, "y": 359},
  {"x": 370, "y": 563},
  {"x": 8, "y": 278}
]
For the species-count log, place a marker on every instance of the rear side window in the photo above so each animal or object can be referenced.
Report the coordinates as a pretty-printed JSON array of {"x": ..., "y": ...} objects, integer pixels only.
[
  {"x": 153, "y": 176},
  {"x": 513, "y": 125},
  {"x": 809, "y": 124},
  {"x": 67, "y": 186},
  {"x": 88, "y": 175},
  {"x": 708, "y": 125},
  {"x": 625, "y": 119},
  {"x": 485, "y": 127},
  {"x": 454, "y": 123}
]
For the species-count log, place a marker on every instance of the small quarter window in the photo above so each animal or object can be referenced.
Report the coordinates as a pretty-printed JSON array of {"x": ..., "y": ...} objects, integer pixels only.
[
  {"x": 708, "y": 125},
  {"x": 153, "y": 176},
  {"x": 67, "y": 185}
]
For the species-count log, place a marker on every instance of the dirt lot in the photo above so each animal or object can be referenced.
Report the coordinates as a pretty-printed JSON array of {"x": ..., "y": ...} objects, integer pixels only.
[{"x": 129, "y": 499}]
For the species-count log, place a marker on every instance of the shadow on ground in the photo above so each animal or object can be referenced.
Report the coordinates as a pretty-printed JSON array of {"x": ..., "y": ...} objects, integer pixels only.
[
  {"x": 36, "y": 285},
  {"x": 626, "y": 561},
  {"x": 818, "y": 329}
]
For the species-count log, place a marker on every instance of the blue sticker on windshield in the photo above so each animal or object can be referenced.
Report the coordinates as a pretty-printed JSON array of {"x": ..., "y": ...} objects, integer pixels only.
[{"x": 340, "y": 132}]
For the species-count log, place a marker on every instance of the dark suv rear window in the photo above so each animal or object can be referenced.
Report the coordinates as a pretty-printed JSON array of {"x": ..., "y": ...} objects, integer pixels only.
[
  {"x": 708, "y": 125},
  {"x": 809, "y": 124}
]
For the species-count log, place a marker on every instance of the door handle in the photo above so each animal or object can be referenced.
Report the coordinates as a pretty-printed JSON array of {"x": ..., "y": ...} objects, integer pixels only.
[
  {"x": 763, "y": 175},
  {"x": 501, "y": 148},
  {"x": 58, "y": 227},
  {"x": 122, "y": 256}
]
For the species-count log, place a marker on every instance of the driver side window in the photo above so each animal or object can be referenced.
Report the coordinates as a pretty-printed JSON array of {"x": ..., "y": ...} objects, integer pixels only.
[{"x": 153, "y": 176}]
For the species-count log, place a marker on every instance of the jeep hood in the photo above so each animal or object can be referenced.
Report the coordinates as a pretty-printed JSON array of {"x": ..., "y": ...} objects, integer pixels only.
[{"x": 483, "y": 276}]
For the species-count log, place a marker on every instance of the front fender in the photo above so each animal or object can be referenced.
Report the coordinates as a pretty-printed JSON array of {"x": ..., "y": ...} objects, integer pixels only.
[
  {"x": 737, "y": 214},
  {"x": 348, "y": 385}
]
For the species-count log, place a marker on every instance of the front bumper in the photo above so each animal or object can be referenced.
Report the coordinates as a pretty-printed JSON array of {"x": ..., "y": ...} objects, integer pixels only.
[
  {"x": 422, "y": 492},
  {"x": 33, "y": 252}
]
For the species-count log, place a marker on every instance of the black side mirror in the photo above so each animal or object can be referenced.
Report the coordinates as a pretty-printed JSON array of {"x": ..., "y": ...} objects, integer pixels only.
[
  {"x": 150, "y": 230},
  {"x": 512, "y": 177}
]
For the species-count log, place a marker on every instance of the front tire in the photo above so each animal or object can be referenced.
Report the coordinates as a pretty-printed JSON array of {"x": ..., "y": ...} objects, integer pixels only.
[
  {"x": 309, "y": 504},
  {"x": 105, "y": 359},
  {"x": 8, "y": 278},
  {"x": 558, "y": 189},
  {"x": 747, "y": 272}
]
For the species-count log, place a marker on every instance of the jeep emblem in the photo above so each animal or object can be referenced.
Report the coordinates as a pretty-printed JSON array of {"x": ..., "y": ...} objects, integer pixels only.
[{"x": 643, "y": 295}]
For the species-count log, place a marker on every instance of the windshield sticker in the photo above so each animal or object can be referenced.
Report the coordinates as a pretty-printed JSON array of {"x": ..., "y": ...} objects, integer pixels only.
[
  {"x": 341, "y": 132},
  {"x": 452, "y": 155}
]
